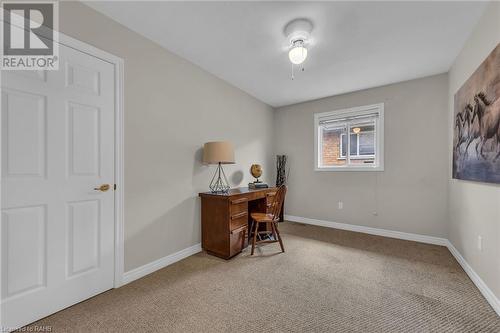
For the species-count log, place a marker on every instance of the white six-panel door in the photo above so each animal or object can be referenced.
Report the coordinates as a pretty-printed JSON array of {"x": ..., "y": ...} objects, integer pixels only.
[{"x": 57, "y": 146}]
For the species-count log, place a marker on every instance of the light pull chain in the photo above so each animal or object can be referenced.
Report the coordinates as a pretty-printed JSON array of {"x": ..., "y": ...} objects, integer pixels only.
[
  {"x": 293, "y": 74},
  {"x": 302, "y": 51}
]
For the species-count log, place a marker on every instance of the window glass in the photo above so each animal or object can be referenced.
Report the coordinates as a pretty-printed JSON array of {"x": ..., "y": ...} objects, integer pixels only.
[
  {"x": 354, "y": 144},
  {"x": 331, "y": 154},
  {"x": 367, "y": 143},
  {"x": 360, "y": 125}
]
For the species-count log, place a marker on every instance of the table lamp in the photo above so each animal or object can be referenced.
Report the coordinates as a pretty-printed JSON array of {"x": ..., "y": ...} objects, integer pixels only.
[{"x": 218, "y": 152}]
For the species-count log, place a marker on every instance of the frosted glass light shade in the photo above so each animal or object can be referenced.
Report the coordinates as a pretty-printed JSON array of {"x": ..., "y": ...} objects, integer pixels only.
[{"x": 297, "y": 55}]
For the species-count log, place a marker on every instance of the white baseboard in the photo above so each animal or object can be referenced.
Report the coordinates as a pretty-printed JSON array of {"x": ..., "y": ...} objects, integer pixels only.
[
  {"x": 370, "y": 230},
  {"x": 483, "y": 288},
  {"x": 153, "y": 266}
]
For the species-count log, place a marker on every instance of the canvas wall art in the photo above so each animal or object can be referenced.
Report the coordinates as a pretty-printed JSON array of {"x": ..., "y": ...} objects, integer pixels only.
[{"x": 476, "y": 142}]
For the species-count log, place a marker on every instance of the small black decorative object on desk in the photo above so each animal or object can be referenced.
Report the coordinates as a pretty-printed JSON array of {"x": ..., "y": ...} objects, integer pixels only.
[
  {"x": 281, "y": 173},
  {"x": 256, "y": 171},
  {"x": 281, "y": 177}
]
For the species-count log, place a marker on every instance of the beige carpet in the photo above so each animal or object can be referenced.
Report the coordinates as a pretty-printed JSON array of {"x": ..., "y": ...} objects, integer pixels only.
[{"x": 327, "y": 281}]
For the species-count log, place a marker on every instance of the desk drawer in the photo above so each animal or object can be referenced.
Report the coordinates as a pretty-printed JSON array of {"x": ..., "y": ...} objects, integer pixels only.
[
  {"x": 238, "y": 205},
  {"x": 238, "y": 220},
  {"x": 237, "y": 240}
]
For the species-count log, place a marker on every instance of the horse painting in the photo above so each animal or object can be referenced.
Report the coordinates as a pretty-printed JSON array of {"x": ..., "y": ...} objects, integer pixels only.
[{"x": 476, "y": 140}]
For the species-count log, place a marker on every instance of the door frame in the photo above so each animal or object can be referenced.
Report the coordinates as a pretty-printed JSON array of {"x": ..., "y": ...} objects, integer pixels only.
[{"x": 118, "y": 64}]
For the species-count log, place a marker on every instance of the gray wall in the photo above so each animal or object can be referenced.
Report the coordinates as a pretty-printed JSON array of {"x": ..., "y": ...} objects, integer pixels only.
[
  {"x": 475, "y": 207},
  {"x": 171, "y": 108},
  {"x": 410, "y": 195}
]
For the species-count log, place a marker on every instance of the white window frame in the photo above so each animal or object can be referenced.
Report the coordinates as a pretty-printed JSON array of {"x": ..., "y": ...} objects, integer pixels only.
[
  {"x": 357, "y": 156},
  {"x": 378, "y": 164}
]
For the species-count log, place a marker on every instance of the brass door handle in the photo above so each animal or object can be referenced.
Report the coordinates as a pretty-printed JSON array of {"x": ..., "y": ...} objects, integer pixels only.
[{"x": 102, "y": 188}]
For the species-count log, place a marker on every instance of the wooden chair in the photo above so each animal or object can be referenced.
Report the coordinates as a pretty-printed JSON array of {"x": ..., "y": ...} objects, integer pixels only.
[{"x": 269, "y": 218}]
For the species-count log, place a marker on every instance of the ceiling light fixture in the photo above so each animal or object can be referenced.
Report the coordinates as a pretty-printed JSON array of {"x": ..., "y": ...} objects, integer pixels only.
[
  {"x": 298, "y": 52},
  {"x": 356, "y": 130},
  {"x": 298, "y": 34}
]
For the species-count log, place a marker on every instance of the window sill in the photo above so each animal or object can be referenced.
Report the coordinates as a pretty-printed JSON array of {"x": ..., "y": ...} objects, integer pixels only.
[
  {"x": 356, "y": 168},
  {"x": 359, "y": 157}
]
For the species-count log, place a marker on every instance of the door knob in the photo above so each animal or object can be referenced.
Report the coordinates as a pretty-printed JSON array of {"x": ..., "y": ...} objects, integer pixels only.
[{"x": 102, "y": 188}]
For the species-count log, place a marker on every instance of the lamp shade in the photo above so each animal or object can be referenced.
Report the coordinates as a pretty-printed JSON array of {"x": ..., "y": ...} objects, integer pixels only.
[{"x": 218, "y": 152}]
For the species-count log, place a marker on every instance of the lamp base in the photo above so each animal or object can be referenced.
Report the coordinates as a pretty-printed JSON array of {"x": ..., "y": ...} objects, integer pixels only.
[{"x": 219, "y": 183}]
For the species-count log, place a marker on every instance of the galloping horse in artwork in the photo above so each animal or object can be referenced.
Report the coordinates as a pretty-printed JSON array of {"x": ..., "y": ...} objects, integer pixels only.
[
  {"x": 496, "y": 106},
  {"x": 463, "y": 121},
  {"x": 474, "y": 129},
  {"x": 477, "y": 123},
  {"x": 489, "y": 120}
]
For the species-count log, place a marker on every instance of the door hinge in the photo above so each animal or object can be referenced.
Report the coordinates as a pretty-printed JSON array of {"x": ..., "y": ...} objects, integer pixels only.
[{"x": 114, "y": 187}]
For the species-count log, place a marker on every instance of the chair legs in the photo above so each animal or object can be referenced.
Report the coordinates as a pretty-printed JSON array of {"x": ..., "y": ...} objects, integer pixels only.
[
  {"x": 273, "y": 230},
  {"x": 276, "y": 231},
  {"x": 254, "y": 236}
]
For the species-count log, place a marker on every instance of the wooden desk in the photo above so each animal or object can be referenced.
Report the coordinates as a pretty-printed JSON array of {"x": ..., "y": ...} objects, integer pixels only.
[{"x": 225, "y": 218}]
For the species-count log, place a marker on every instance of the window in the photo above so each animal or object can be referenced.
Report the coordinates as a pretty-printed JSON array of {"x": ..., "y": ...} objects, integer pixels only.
[
  {"x": 362, "y": 143},
  {"x": 350, "y": 139}
]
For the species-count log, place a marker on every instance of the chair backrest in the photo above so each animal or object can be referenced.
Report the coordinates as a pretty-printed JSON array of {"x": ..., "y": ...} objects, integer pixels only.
[{"x": 277, "y": 204}]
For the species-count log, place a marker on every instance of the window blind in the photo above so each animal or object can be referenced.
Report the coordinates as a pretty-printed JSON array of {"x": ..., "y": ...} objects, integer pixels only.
[{"x": 331, "y": 119}]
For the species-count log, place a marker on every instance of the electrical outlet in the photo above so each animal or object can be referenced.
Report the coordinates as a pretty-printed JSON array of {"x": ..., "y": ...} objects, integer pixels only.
[
  {"x": 480, "y": 243},
  {"x": 341, "y": 205}
]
